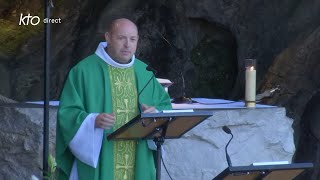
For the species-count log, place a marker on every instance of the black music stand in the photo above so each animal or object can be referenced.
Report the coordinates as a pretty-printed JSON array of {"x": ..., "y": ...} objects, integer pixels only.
[
  {"x": 159, "y": 126},
  {"x": 263, "y": 172}
]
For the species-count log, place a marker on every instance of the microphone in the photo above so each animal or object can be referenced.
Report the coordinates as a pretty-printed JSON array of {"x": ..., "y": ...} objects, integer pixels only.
[
  {"x": 228, "y": 131},
  {"x": 148, "y": 68}
]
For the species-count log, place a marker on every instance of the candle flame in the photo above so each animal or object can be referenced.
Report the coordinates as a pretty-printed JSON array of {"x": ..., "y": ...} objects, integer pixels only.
[{"x": 251, "y": 68}]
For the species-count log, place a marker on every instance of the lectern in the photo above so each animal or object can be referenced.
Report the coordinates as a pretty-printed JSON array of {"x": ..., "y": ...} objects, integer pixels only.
[
  {"x": 264, "y": 172},
  {"x": 159, "y": 126}
]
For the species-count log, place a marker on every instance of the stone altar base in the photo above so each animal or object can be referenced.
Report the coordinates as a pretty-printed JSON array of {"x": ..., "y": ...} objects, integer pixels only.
[{"x": 260, "y": 135}]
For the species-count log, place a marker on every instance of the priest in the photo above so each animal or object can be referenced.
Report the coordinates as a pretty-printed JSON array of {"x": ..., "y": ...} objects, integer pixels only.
[{"x": 100, "y": 95}]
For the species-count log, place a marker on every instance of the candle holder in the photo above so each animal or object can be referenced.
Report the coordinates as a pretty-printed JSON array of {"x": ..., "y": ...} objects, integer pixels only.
[{"x": 250, "y": 81}]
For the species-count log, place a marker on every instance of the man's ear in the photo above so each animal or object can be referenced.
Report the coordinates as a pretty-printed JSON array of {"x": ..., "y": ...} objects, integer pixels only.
[{"x": 107, "y": 36}]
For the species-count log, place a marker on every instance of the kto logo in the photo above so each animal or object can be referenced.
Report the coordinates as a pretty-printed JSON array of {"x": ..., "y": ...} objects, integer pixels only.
[
  {"x": 35, "y": 20},
  {"x": 25, "y": 20}
]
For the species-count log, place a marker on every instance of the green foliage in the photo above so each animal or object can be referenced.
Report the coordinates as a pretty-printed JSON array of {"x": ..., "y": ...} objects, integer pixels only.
[
  {"x": 52, "y": 165},
  {"x": 12, "y": 36}
]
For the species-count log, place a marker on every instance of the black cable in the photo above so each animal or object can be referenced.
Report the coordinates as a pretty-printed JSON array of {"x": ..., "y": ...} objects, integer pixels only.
[{"x": 166, "y": 168}]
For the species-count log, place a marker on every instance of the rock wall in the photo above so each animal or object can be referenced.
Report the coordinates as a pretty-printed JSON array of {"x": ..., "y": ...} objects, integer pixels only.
[
  {"x": 21, "y": 141},
  {"x": 174, "y": 38}
]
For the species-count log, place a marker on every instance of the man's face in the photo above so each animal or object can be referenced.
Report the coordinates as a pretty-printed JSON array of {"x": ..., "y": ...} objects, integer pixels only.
[{"x": 122, "y": 41}]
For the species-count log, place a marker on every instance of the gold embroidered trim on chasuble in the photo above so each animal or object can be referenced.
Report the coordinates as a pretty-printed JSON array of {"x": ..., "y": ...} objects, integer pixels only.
[{"x": 124, "y": 101}]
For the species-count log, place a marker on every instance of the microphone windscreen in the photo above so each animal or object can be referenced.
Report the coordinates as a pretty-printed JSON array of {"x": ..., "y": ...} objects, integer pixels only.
[
  {"x": 226, "y": 130},
  {"x": 149, "y": 68}
]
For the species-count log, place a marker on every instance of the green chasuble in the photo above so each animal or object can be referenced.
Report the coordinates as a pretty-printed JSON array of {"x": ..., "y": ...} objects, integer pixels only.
[{"x": 93, "y": 86}]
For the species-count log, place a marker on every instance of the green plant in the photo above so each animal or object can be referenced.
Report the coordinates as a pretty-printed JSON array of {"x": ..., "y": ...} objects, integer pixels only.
[
  {"x": 51, "y": 174},
  {"x": 52, "y": 164}
]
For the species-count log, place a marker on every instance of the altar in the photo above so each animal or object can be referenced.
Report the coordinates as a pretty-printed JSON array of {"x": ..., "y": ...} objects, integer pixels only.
[{"x": 261, "y": 134}]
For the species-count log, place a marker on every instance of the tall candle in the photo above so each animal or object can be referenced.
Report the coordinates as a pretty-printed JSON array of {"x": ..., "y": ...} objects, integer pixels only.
[{"x": 250, "y": 91}]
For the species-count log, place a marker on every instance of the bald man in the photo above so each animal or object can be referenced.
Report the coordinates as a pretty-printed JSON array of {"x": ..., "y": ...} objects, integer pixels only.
[{"x": 99, "y": 96}]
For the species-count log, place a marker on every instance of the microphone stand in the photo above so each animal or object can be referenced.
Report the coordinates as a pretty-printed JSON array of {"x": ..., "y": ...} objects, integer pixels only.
[
  {"x": 154, "y": 72},
  {"x": 48, "y": 4}
]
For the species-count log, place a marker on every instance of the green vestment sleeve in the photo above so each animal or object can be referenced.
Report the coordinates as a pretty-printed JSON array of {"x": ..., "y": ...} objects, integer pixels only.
[
  {"x": 70, "y": 116},
  {"x": 80, "y": 96}
]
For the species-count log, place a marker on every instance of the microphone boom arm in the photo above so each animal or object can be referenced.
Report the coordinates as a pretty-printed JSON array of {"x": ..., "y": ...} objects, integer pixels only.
[
  {"x": 146, "y": 84},
  {"x": 148, "y": 68}
]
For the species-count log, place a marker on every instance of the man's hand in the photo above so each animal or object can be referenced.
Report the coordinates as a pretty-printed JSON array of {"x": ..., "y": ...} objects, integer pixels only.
[
  {"x": 104, "y": 121},
  {"x": 148, "y": 109}
]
